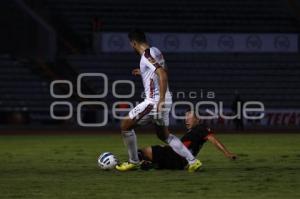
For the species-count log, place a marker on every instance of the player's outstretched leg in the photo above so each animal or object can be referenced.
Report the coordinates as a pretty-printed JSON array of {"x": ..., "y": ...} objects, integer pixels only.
[
  {"x": 178, "y": 147},
  {"x": 130, "y": 142}
]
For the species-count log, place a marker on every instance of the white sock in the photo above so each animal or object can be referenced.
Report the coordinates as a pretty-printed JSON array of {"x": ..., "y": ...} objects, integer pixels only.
[
  {"x": 130, "y": 142},
  {"x": 180, "y": 148}
]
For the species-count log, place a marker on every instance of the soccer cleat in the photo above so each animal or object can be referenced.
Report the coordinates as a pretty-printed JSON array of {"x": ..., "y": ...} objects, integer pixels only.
[
  {"x": 128, "y": 166},
  {"x": 195, "y": 166}
]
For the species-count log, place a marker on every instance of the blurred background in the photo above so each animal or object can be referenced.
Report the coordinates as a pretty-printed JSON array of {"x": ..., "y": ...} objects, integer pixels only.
[{"x": 223, "y": 51}]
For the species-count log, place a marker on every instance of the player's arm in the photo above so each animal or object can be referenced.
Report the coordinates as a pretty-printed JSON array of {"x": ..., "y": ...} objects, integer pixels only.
[
  {"x": 221, "y": 147},
  {"x": 163, "y": 84}
]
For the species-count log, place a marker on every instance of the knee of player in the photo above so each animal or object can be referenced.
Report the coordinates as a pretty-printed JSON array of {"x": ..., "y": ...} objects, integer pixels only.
[
  {"x": 162, "y": 137},
  {"x": 123, "y": 125},
  {"x": 162, "y": 133},
  {"x": 126, "y": 125}
]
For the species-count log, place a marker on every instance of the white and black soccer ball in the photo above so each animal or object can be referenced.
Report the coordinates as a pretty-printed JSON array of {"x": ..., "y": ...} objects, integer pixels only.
[{"x": 107, "y": 161}]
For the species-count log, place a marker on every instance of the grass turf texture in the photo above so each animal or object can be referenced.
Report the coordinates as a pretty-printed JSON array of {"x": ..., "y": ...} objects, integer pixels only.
[{"x": 65, "y": 167}]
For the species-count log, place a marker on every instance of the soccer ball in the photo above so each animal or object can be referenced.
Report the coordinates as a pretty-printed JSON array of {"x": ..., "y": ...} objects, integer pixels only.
[{"x": 107, "y": 161}]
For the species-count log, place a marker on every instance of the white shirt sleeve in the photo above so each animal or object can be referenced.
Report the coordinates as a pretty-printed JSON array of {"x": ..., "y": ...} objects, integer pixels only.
[{"x": 150, "y": 61}]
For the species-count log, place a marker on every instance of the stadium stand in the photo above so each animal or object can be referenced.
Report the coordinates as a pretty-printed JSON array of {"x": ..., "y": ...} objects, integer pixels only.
[
  {"x": 23, "y": 91},
  {"x": 176, "y": 15},
  {"x": 270, "y": 78},
  {"x": 254, "y": 77}
]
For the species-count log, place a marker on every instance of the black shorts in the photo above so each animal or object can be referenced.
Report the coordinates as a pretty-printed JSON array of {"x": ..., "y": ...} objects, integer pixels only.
[{"x": 165, "y": 158}]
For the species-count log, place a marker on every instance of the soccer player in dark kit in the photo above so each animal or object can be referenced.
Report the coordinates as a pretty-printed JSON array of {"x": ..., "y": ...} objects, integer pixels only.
[{"x": 163, "y": 157}]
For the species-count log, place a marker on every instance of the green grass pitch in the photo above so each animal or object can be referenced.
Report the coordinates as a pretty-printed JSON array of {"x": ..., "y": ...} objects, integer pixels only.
[{"x": 65, "y": 167}]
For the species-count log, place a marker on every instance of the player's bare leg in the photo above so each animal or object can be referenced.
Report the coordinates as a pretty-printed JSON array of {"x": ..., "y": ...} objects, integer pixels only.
[
  {"x": 130, "y": 141},
  {"x": 176, "y": 144}
]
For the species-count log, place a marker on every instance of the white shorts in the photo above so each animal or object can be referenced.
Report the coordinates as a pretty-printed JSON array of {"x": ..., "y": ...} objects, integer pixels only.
[{"x": 146, "y": 112}]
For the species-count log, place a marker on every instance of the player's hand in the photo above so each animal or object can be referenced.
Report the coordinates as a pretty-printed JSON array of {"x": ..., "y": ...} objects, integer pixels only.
[
  {"x": 160, "y": 105},
  {"x": 231, "y": 156},
  {"x": 136, "y": 72}
]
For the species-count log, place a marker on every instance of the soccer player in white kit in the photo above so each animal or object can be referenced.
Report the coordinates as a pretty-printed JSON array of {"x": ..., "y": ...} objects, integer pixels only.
[{"x": 155, "y": 108}]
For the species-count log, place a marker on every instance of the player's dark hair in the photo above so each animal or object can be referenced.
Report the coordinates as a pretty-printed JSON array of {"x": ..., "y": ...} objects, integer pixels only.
[{"x": 137, "y": 35}]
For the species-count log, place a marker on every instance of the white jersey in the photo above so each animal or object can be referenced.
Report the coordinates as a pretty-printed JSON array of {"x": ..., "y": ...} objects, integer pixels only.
[{"x": 152, "y": 59}]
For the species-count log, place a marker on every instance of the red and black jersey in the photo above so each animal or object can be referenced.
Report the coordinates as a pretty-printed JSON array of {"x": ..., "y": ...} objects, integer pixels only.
[
  {"x": 196, "y": 137},
  {"x": 163, "y": 157}
]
